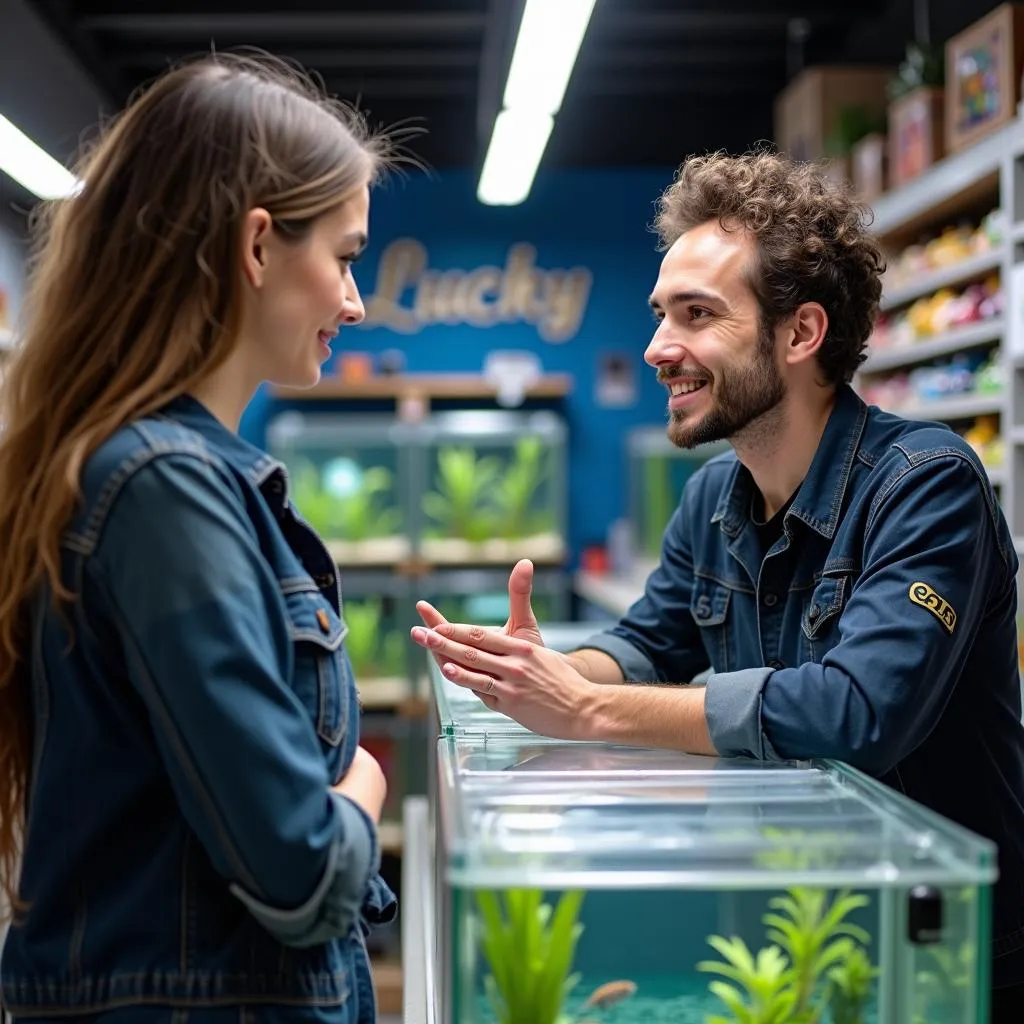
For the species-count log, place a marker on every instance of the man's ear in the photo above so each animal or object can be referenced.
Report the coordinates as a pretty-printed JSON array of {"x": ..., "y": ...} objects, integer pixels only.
[
  {"x": 804, "y": 332},
  {"x": 256, "y": 232}
]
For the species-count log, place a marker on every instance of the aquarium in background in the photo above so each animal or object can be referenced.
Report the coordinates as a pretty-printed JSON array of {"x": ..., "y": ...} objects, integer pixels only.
[
  {"x": 495, "y": 488},
  {"x": 579, "y": 881},
  {"x": 658, "y": 471},
  {"x": 349, "y": 477}
]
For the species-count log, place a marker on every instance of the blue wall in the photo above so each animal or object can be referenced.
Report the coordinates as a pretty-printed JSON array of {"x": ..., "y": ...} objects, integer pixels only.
[{"x": 596, "y": 220}]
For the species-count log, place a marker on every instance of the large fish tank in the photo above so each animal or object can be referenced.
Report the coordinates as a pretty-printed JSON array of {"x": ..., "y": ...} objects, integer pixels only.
[
  {"x": 658, "y": 471},
  {"x": 581, "y": 882},
  {"x": 578, "y": 883},
  {"x": 349, "y": 479},
  {"x": 494, "y": 488}
]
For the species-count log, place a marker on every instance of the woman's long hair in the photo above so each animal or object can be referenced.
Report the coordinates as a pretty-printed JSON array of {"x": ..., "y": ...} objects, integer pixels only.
[{"x": 133, "y": 298}]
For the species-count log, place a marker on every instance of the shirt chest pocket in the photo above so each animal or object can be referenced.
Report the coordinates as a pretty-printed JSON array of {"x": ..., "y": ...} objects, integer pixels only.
[
  {"x": 320, "y": 673},
  {"x": 820, "y": 621},
  {"x": 709, "y": 606}
]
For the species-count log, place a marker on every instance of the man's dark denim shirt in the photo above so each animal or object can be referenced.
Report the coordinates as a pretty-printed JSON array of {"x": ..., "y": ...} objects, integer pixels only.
[
  {"x": 184, "y": 845},
  {"x": 879, "y": 630}
]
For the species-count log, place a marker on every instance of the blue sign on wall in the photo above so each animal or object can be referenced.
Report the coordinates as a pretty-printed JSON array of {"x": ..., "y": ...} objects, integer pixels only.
[{"x": 566, "y": 276}]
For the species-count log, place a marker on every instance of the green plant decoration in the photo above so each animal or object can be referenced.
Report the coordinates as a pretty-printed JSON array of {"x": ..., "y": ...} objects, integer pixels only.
[
  {"x": 361, "y": 515},
  {"x": 851, "y": 125},
  {"x": 312, "y": 502},
  {"x": 766, "y": 980},
  {"x": 850, "y": 986},
  {"x": 923, "y": 65},
  {"x": 529, "y": 948},
  {"x": 372, "y": 655},
  {"x": 811, "y": 946},
  {"x": 813, "y": 932},
  {"x": 459, "y": 504},
  {"x": 517, "y": 487},
  {"x": 658, "y": 503},
  {"x": 364, "y": 514}
]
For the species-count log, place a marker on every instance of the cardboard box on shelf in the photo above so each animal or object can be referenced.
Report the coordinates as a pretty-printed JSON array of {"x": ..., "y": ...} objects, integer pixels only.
[{"x": 807, "y": 111}]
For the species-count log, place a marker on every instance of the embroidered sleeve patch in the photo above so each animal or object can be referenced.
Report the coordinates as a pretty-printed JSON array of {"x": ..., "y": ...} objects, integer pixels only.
[{"x": 922, "y": 594}]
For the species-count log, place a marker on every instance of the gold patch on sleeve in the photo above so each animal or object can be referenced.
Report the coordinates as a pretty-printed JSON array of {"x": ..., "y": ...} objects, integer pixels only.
[{"x": 922, "y": 594}]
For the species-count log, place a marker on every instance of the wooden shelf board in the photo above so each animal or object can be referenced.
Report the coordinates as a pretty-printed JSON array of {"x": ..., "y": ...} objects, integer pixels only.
[{"x": 422, "y": 386}]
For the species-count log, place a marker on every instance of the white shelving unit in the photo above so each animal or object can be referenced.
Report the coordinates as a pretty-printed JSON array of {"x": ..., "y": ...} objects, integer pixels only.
[{"x": 993, "y": 169}]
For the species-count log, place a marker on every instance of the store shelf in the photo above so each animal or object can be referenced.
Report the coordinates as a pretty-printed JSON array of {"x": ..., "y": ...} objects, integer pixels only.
[
  {"x": 952, "y": 184},
  {"x": 928, "y": 282},
  {"x": 957, "y": 407},
  {"x": 424, "y": 387},
  {"x": 940, "y": 345},
  {"x": 385, "y": 693}
]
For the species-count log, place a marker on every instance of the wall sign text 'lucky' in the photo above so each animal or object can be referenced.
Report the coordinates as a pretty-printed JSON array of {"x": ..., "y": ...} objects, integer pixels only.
[{"x": 552, "y": 300}]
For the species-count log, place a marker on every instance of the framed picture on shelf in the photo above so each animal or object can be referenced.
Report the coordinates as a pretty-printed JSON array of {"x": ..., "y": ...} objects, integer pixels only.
[{"x": 983, "y": 76}]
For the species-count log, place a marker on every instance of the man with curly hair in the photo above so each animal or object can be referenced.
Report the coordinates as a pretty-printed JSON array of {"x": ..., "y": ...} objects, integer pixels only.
[{"x": 845, "y": 574}]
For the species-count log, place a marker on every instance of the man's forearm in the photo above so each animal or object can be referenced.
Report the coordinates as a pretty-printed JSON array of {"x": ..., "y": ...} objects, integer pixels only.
[
  {"x": 596, "y": 666},
  {"x": 650, "y": 716}
]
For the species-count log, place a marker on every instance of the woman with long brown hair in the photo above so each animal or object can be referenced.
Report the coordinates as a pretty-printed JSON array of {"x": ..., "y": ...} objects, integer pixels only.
[{"x": 187, "y": 822}]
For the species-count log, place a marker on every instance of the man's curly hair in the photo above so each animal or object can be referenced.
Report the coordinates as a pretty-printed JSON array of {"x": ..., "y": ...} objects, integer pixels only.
[{"x": 812, "y": 241}]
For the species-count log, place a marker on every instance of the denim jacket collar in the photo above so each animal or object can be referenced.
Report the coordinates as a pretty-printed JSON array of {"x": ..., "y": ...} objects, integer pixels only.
[
  {"x": 820, "y": 497},
  {"x": 256, "y": 466}
]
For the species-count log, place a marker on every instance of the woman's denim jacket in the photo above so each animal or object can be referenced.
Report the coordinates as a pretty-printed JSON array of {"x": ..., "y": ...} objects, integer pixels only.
[{"x": 183, "y": 844}]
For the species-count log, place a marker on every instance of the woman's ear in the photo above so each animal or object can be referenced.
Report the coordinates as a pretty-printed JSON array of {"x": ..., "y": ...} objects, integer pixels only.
[{"x": 256, "y": 233}]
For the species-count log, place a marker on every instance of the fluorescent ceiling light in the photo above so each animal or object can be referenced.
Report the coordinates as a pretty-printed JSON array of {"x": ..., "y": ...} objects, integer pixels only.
[
  {"x": 517, "y": 144},
  {"x": 549, "y": 39},
  {"x": 33, "y": 167}
]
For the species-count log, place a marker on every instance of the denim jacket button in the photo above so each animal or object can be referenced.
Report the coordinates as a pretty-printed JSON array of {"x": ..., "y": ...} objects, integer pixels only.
[
  {"x": 321, "y": 618},
  {"x": 770, "y": 600},
  {"x": 776, "y": 664},
  {"x": 813, "y": 612}
]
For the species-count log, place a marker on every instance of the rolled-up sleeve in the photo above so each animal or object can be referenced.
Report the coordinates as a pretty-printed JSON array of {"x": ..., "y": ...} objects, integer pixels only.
[
  {"x": 204, "y": 631},
  {"x": 658, "y": 640},
  {"x": 931, "y": 559}
]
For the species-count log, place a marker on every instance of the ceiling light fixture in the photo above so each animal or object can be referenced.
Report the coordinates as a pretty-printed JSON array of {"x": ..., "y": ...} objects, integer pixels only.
[
  {"x": 32, "y": 167},
  {"x": 549, "y": 39}
]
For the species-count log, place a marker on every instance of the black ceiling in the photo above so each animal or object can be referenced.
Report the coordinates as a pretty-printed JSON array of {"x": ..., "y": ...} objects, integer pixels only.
[{"x": 655, "y": 80}]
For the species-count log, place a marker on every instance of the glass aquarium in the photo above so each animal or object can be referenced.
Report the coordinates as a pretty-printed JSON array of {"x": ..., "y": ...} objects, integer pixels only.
[
  {"x": 658, "y": 470},
  {"x": 378, "y": 607},
  {"x": 582, "y": 882},
  {"x": 494, "y": 489},
  {"x": 349, "y": 479}
]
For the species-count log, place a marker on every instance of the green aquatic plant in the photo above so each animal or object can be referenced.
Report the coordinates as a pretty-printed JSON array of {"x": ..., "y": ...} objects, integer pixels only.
[
  {"x": 517, "y": 488},
  {"x": 364, "y": 514},
  {"x": 460, "y": 505},
  {"x": 529, "y": 947},
  {"x": 314, "y": 504},
  {"x": 761, "y": 991},
  {"x": 372, "y": 653},
  {"x": 811, "y": 928},
  {"x": 850, "y": 987},
  {"x": 809, "y": 938},
  {"x": 658, "y": 505}
]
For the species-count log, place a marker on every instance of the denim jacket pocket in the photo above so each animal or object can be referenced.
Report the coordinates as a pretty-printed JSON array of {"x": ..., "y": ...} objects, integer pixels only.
[
  {"x": 821, "y": 615},
  {"x": 320, "y": 676},
  {"x": 709, "y": 607}
]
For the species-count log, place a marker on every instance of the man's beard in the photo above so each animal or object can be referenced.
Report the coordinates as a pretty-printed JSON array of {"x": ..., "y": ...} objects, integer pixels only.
[{"x": 740, "y": 397}]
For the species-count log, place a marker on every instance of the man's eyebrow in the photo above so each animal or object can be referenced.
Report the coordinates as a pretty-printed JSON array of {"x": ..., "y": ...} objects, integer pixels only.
[{"x": 677, "y": 298}]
